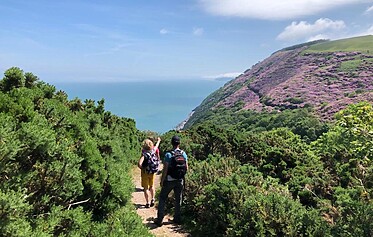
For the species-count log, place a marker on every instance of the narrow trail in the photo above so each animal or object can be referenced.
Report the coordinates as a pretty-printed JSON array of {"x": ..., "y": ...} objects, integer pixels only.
[{"x": 148, "y": 214}]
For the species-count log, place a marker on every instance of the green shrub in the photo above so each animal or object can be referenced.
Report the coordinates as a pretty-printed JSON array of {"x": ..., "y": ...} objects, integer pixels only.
[
  {"x": 295, "y": 100},
  {"x": 65, "y": 167},
  {"x": 355, "y": 213},
  {"x": 13, "y": 213},
  {"x": 246, "y": 204}
]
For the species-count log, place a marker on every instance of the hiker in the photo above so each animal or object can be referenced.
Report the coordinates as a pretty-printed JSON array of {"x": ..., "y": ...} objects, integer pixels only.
[
  {"x": 175, "y": 166},
  {"x": 148, "y": 164}
]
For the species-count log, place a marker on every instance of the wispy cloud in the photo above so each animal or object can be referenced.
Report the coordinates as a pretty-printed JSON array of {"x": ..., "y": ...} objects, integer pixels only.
[
  {"x": 272, "y": 9},
  {"x": 112, "y": 50},
  {"x": 198, "y": 31},
  {"x": 321, "y": 29},
  {"x": 164, "y": 31},
  {"x": 101, "y": 32},
  {"x": 369, "y": 10},
  {"x": 224, "y": 75}
]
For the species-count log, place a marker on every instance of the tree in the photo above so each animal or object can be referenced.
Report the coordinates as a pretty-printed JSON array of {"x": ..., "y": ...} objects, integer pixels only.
[
  {"x": 347, "y": 148},
  {"x": 13, "y": 78},
  {"x": 30, "y": 79}
]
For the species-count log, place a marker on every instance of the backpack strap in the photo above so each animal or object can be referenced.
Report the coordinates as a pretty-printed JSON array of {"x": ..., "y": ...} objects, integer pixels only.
[{"x": 174, "y": 150}]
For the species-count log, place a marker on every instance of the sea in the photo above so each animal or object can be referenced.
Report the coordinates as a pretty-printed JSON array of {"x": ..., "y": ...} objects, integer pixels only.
[{"x": 157, "y": 106}]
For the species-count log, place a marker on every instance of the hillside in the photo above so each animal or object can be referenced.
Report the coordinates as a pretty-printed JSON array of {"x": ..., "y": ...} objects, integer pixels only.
[{"x": 323, "y": 75}]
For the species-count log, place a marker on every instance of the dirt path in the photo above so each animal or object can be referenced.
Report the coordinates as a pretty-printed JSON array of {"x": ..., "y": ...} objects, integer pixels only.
[{"x": 148, "y": 214}]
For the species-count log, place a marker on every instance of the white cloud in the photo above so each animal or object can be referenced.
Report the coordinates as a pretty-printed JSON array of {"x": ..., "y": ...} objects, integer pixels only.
[
  {"x": 272, "y": 9},
  {"x": 198, "y": 31},
  {"x": 224, "y": 75},
  {"x": 164, "y": 31},
  {"x": 321, "y": 29},
  {"x": 369, "y": 10}
]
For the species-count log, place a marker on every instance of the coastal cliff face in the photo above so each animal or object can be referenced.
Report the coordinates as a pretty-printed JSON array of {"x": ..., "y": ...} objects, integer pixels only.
[{"x": 308, "y": 75}]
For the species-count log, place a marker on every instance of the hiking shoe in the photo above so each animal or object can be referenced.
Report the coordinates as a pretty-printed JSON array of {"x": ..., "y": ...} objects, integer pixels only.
[
  {"x": 176, "y": 221},
  {"x": 158, "y": 222},
  {"x": 147, "y": 205},
  {"x": 152, "y": 203}
]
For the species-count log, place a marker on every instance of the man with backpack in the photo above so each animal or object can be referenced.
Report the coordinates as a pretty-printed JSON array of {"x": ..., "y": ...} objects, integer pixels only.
[{"x": 174, "y": 169}]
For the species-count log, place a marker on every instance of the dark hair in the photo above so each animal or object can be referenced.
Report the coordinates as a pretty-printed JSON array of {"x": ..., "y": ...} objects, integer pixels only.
[{"x": 175, "y": 140}]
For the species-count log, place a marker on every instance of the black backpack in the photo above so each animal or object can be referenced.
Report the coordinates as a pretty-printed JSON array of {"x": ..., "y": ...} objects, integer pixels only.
[
  {"x": 150, "y": 162},
  {"x": 177, "y": 167}
]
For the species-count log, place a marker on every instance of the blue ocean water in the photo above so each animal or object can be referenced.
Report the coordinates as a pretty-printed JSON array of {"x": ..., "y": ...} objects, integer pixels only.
[{"x": 155, "y": 105}]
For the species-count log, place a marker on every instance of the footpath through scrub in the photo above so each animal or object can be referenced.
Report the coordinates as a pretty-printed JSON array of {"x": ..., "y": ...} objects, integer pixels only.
[{"x": 148, "y": 214}]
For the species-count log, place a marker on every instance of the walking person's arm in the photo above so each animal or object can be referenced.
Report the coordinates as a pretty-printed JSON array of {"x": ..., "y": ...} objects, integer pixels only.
[
  {"x": 156, "y": 148},
  {"x": 157, "y": 144},
  {"x": 186, "y": 160}
]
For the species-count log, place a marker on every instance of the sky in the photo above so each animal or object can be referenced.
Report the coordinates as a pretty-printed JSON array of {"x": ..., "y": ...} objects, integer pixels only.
[{"x": 141, "y": 40}]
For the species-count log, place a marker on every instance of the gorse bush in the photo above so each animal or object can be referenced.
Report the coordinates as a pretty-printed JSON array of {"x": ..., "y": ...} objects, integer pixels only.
[
  {"x": 300, "y": 121},
  {"x": 64, "y": 165},
  {"x": 274, "y": 182},
  {"x": 354, "y": 213},
  {"x": 241, "y": 202}
]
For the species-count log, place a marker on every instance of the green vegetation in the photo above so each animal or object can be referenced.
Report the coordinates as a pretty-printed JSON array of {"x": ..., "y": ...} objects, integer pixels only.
[
  {"x": 64, "y": 164},
  {"x": 304, "y": 44},
  {"x": 251, "y": 175},
  {"x": 295, "y": 100},
  {"x": 350, "y": 66},
  {"x": 65, "y": 168},
  {"x": 299, "y": 121},
  {"x": 361, "y": 44}
]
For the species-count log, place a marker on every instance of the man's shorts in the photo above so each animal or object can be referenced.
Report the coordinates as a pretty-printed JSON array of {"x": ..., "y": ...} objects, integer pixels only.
[{"x": 147, "y": 180}]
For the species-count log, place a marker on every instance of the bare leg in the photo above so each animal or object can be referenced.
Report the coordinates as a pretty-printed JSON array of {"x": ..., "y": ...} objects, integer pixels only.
[
  {"x": 146, "y": 195},
  {"x": 151, "y": 189}
]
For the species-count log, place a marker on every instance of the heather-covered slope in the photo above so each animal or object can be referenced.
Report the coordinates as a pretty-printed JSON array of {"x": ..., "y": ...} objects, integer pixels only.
[{"x": 324, "y": 75}]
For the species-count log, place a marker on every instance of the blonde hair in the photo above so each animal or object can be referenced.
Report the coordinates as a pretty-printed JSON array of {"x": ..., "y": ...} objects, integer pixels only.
[{"x": 147, "y": 144}]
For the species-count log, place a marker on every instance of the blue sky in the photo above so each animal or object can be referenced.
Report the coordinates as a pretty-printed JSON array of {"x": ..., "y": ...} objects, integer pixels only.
[{"x": 122, "y": 40}]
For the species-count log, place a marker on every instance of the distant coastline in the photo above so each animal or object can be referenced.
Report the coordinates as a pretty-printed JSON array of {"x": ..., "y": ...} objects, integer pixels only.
[{"x": 181, "y": 125}]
